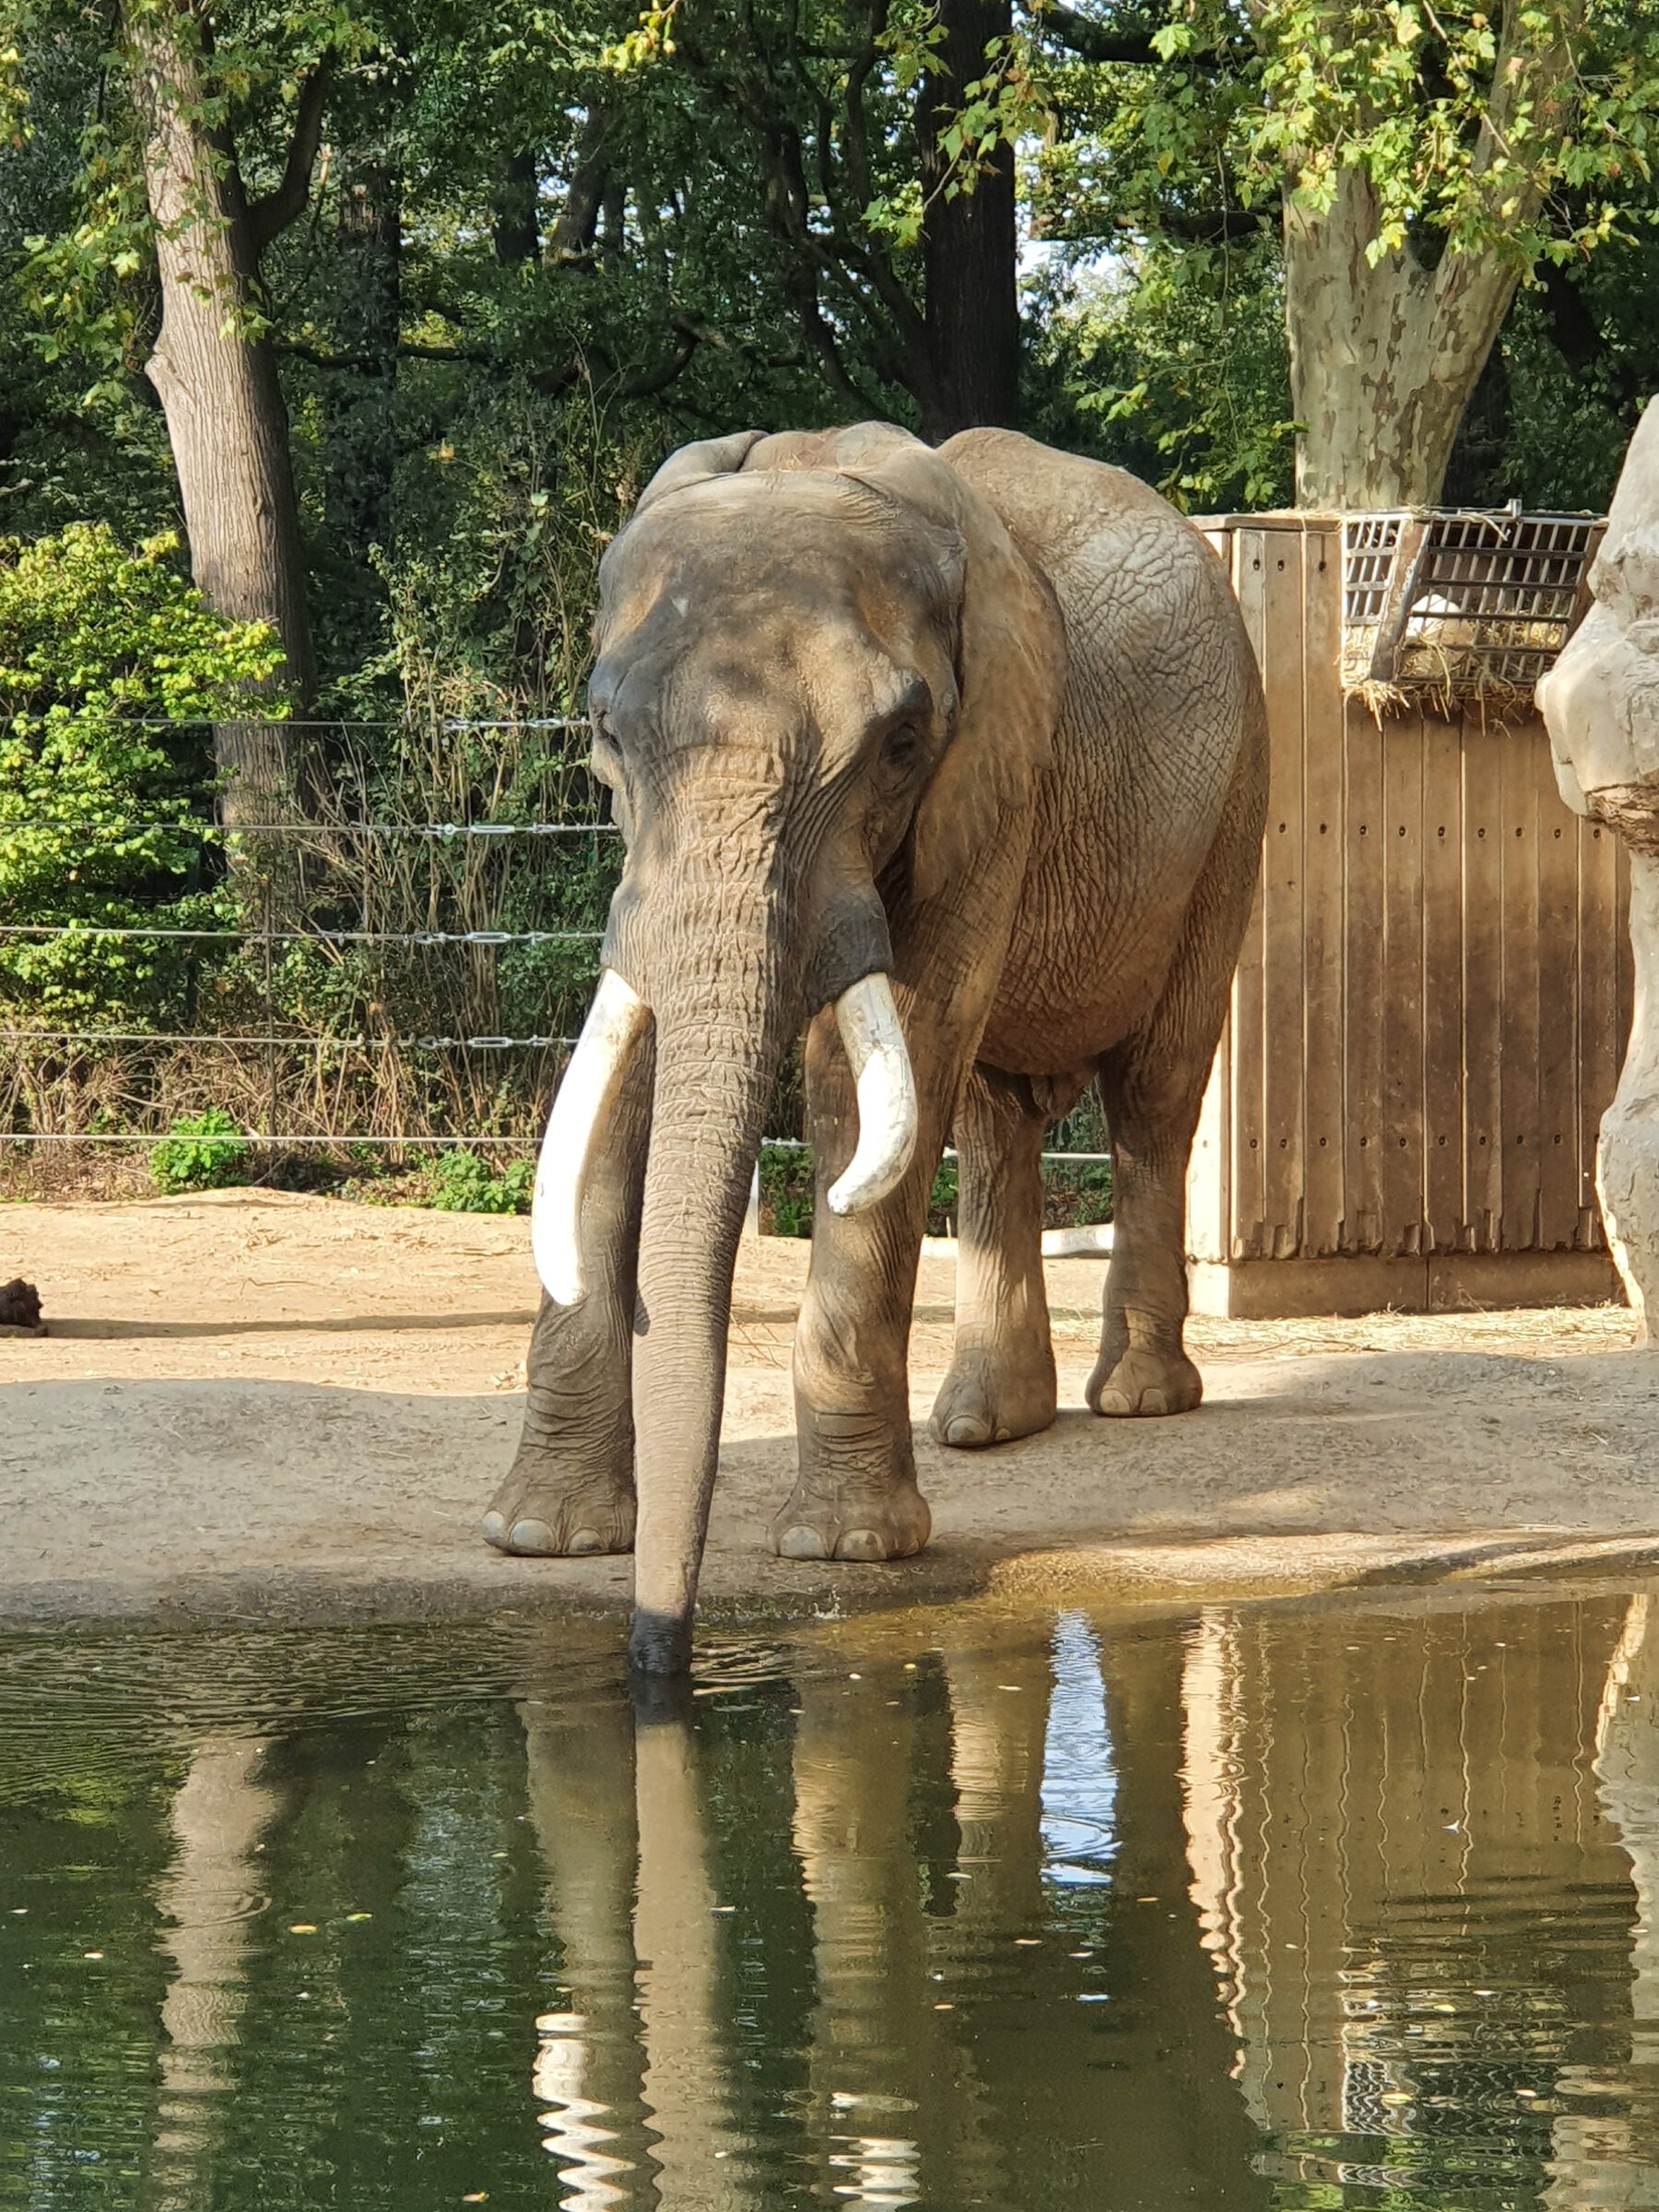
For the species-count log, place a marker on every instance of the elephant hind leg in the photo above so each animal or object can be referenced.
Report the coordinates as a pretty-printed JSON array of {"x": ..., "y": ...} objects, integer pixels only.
[
  {"x": 1001, "y": 1382},
  {"x": 1152, "y": 1086}
]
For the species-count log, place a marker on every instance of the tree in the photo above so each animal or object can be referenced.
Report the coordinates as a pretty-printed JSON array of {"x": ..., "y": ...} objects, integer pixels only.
[
  {"x": 212, "y": 364},
  {"x": 970, "y": 238},
  {"x": 1421, "y": 163}
]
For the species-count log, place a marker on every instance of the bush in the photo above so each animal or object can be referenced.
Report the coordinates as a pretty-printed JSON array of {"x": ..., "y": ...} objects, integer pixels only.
[
  {"x": 1076, "y": 1194},
  {"x": 100, "y": 807},
  {"x": 463, "y": 1184},
  {"x": 205, "y": 1152},
  {"x": 786, "y": 1194}
]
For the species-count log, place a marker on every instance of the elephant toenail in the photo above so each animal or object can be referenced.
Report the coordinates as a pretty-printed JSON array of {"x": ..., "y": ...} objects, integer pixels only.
[
  {"x": 584, "y": 1543},
  {"x": 1154, "y": 1401},
  {"x": 802, "y": 1544},
  {"x": 1111, "y": 1401},
  {"x": 493, "y": 1529},
  {"x": 533, "y": 1536},
  {"x": 862, "y": 1544},
  {"x": 967, "y": 1430}
]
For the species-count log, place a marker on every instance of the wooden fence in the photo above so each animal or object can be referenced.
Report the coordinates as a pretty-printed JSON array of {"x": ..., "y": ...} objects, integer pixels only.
[{"x": 1431, "y": 1004}]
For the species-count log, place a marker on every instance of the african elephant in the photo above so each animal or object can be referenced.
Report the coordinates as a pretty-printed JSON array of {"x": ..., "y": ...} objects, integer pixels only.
[{"x": 958, "y": 759}]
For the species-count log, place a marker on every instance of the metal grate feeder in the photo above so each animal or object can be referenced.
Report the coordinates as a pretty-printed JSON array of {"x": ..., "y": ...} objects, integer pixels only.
[{"x": 1460, "y": 602}]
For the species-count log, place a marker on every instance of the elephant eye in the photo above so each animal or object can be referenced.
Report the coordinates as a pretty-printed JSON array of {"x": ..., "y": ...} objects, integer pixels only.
[{"x": 900, "y": 749}]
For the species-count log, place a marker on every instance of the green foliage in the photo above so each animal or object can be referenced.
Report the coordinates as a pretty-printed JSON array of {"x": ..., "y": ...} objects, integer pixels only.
[
  {"x": 1076, "y": 1194},
  {"x": 205, "y": 1152},
  {"x": 111, "y": 665},
  {"x": 785, "y": 1191},
  {"x": 943, "y": 1200},
  {"x": 1522, "y": 132},
  {"x": 1174, "y": 364},
  {"x": 786, "y": 1173},
  {"x": 464, "y": 1183}
]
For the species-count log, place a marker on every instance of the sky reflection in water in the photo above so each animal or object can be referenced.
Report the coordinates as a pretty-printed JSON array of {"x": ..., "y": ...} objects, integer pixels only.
[{"x": 1349, "y": 1904}]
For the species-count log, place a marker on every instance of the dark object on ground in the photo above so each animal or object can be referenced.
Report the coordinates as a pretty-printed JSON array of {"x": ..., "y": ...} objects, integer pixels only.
[{"x": 20, "y": 1309}]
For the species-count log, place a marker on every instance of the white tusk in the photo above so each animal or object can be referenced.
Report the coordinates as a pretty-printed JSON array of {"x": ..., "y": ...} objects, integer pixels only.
[
  {"x": 576, "y": 1129},
  {"x": 870, "y": 1030}
]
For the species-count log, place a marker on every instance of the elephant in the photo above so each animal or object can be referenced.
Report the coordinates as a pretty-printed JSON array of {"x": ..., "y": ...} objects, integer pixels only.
[{"x": 956, "y": 759}]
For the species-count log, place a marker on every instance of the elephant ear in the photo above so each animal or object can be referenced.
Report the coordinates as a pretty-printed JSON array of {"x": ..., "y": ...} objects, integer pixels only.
[
  {"x": 696, "y": 464},
  {"x": 1010, "y": 670}
]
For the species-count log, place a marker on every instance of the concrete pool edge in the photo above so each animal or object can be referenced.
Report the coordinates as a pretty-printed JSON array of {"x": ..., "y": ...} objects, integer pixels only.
[{"x": 1189, "y": 1572}]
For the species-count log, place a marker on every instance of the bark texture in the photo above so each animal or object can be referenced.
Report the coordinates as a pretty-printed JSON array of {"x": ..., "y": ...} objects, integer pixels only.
[
  {"x": 1383, "y": 360},
  {"x": 213, "y": 366},
  {"x": 969, "y": 247}
]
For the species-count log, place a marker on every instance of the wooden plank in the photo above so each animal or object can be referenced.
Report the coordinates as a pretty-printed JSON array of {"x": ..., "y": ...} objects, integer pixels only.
[
  {"x": 1364, "y": 844},
  {"x": 1209, "y": 1170},
  {"x": 1401, "y": 1163},
  {"x": 1519, "y": 1049},
  {"x": 1248, "y": 1195},
  {"x": 1284, "y": 1054},
  {"x": 1443, "y": 1167},
  {"x": 1601, "y": 941},
  {"x": 1483, "y": 988},
  {"x": 1322, "y": 856},
  {"x": 1558, "y": 963}
]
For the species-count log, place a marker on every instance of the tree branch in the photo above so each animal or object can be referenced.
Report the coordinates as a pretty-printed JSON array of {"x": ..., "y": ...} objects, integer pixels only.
[
  {"x": 268, "y": 218},
  {"x": 1095, "y": 41},
  {"x": 572, "y": 235}
]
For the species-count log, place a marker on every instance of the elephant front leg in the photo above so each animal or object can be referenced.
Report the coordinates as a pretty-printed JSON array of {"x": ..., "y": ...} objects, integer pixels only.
[
  {"x": 1001, "y": 1382},
  {"x": 856, "y": 1497},
  {"x": 571, "y": 1486}
]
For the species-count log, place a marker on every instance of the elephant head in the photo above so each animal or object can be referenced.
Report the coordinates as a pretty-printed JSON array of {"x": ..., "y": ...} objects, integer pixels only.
[{"x": 824, "y": 677}]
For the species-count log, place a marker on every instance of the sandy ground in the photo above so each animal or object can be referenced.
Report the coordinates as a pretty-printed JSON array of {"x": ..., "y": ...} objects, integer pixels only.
[{"x": 262, "y": 1405}]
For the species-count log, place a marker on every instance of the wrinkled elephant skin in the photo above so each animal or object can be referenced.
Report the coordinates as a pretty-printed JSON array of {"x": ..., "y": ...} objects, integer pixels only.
[{"x": 956, "y": 760}]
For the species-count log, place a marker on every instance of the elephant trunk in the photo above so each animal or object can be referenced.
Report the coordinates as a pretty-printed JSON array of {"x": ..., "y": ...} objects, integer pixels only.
[
  {"x": 714, "y": 1079},
  {"x": 725, "y": 993},
  {"x": 718, "y": 1051}
]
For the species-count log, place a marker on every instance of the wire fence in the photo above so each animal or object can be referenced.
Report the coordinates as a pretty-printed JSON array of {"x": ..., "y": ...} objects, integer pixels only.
[{"x": 366, "y": 970}]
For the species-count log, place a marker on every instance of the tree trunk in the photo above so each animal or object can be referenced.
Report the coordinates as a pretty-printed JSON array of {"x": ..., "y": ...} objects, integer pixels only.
[
  {"x": 214, "y": 374},
  {"x": 512, "y": 211},
  {"x": 572, "y": 235},
  {"x": 1383, "y": 360},
  {"x": 363, "y": 451},
  {"x": 969, "y": 244}
]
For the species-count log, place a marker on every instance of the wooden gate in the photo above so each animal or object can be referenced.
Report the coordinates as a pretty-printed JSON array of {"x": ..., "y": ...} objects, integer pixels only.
[{"x": 1432, "y": 1005}]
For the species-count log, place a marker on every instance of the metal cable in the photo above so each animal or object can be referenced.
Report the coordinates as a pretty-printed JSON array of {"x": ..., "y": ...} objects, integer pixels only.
[
  {"x": 436, "y": 833},
  {"x": 256, "y": 722},
  {"x": 315, "y": 936},
  {"x": 165, "y": 1136},
  {"x": 294, "y": 1043}
]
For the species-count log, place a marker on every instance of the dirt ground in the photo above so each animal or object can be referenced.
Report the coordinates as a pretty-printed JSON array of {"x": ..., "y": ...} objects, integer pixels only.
[{"x": 264, "y": 1405}]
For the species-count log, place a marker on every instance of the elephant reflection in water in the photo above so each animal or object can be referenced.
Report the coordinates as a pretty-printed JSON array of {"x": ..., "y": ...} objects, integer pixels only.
[
  {"x": 221, "y": 1815},
  {"x": 623, "y": 1827},
  {"x": 947, "y": 2059}
]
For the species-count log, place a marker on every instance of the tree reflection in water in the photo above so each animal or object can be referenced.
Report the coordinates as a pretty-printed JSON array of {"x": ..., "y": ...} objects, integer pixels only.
[{"x": 1342, "y": 1904}]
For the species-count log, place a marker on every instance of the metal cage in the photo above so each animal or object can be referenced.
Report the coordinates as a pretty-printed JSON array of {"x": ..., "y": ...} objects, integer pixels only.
[{"x": 1460, "y": 601}]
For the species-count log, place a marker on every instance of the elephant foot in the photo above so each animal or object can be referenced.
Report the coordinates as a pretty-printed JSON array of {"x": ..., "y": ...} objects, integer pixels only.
[
  {"x": 1142, "y": 1381},
  {"x": 541, "y": 1511},
  {"x": 989, "y": 1400},
  {"x": 856, "y": 1521}
]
